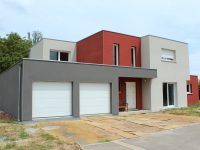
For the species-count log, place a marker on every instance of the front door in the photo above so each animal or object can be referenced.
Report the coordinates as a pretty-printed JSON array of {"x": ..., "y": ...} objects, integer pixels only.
[{"x": 131, "y": 95}]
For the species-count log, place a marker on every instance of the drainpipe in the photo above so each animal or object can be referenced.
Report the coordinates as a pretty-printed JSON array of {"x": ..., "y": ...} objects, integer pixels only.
[{"x": 19, "y": 118}]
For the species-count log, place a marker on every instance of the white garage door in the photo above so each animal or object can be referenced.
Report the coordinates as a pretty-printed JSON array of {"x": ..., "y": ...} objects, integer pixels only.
[
  {"x": 94, "y": 98},
  {"x": 51, "y": 99}
]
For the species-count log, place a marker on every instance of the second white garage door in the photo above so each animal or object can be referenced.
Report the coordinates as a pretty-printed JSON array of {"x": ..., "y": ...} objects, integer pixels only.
[
  {"x": 51, "y": 99},
  {"x": 94, "y": 98}
]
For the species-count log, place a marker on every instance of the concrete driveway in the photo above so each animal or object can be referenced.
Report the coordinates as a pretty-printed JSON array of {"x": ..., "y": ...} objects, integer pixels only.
[
  {"x": 101, "y": 129},
  {"x": 186, "y": 138}
]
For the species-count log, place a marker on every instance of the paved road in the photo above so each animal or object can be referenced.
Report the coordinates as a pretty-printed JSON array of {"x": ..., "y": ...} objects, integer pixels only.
[{"x": 187, "y": 138}]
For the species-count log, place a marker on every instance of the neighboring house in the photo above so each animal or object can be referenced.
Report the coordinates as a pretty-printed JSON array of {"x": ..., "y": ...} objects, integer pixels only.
[
  {"x": 193, "y": 90},
  {"x": 101, "y": 74}
]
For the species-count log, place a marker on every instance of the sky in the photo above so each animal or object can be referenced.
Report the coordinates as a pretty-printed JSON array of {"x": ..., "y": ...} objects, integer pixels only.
[{"x": 73, "y": 20}]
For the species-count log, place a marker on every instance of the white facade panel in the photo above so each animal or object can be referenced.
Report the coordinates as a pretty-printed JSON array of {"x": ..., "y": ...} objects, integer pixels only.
[
  {"x": 94, "y": 98},
  {"x": 51, "y": 99}
]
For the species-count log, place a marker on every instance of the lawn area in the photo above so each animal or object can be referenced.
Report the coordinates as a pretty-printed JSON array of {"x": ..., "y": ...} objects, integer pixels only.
[
  {"x": 188, "y": 111},
  {"x": 17, "y": 136}
]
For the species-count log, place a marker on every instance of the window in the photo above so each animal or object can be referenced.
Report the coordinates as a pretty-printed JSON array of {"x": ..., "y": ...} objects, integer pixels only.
[
  {"x": 189, "y": 88},
  {"x": 168, "y": 55},
  {"x": 133, "y": 56},
  {"x": 59, "y": 56},
  {"x": 168, "y": 94},
  {"x": 53, "y": 55},
  {"x": 116, "y": 54},
  {"x": 64, "y": 56}
]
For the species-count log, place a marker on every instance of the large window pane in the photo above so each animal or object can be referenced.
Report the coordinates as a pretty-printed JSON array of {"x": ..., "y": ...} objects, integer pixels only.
[
  {"x": 165, "y": 94},
  {"x": 171, "y": 94},
  {"x": 53, "y": 55}
]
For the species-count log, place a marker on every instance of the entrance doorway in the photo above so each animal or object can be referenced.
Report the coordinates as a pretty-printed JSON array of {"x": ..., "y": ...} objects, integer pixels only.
[{"x": 131, "y": 95}]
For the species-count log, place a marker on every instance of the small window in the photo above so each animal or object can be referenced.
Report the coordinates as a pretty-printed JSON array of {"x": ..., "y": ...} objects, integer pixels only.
[
  {"x": 64, "y": 56},
  {"x": 59, "y": 56},
  {"x": 189, "y": 88},
  {"x": 168, "y": 55},
  {"x": 133, "y": 56},
  {"x": 53, "y": 55},
  {"x": 116, "y": 54}
]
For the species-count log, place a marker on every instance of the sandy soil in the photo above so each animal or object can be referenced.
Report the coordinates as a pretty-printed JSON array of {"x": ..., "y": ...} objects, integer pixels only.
[{"x": 97, "y": 129}]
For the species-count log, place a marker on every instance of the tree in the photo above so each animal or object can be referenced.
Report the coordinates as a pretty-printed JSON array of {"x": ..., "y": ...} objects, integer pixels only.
[
  {"x": 12, "y": 49},
  {"x": 36, "y": 36}
]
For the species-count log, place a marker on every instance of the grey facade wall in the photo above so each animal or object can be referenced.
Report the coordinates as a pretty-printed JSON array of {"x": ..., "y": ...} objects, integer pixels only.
[
  {"x": 10, "y": 90},
  {"x": 146, "y": 94},
  {"x": 34, "y": 70}
]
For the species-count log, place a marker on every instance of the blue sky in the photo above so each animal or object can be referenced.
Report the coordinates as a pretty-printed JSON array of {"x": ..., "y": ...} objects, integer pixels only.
[{"x": 75, "y": 19}]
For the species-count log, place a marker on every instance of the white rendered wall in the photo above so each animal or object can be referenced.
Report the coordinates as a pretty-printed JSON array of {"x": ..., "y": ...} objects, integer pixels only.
[
  {"x": 36, "y": 51},
  {"x": 176, "y": 72},
  {"x": 41, "y": 50}
]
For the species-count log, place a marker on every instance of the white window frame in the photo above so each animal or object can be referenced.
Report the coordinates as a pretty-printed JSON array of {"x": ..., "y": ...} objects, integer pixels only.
[
  {"x": 190, "y": 89},
  {"x": 170, "y": 106},
  {"x": 133, "y": 57},
  {"x": 168, "y": 59},
  {"x": 58, "y": 51},
  {"x": 116, "y": 54}
]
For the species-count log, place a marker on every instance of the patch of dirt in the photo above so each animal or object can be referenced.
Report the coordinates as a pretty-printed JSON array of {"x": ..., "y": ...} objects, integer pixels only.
[
  {"x": 69, "y": 147},
  {"x": 80, "y": 131},
  {"x": 96, "y": 129}
]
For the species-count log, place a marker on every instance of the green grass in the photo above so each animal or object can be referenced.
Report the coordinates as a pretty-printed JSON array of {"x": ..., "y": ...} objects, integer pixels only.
[
  {"x": 8, "y": 121},
  {"x": 23, "y": 135},
  {"x": 18, "y": 139},
  {"x": 10, "y": 146},
  {"x": 48, "y": 137},
  {"x": 12, "y": 139},
  {"x": 188, "y": 111},
  {"x": 104, "y": 140}
]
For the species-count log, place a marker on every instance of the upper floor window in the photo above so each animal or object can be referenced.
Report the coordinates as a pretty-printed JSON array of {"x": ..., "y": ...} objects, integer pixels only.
[
  {"x": 116, "y": 54},
  {"x": 189, "y": 88},
  {"x": 168, "y": 55},
  {"x": 59, "y": 56},
  {"x": 133, "y": 56}
]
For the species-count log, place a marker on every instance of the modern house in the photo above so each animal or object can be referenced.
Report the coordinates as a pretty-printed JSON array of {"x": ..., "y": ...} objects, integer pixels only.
[{"x": 104, "y": 73}]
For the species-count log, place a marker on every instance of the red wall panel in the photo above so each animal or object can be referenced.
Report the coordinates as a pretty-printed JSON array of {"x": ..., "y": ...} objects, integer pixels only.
[
  {"x": 90, "y": 49},
  {"x": 98, "y": 48},
  {"x": 193, "y": 98},
  {"x": 122, "y": 91},
  {"x": 125, "y": 43}
]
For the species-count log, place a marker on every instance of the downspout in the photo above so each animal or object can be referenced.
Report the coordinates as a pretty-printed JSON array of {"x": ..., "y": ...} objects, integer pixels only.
[{"x": 19, "y": 118}]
